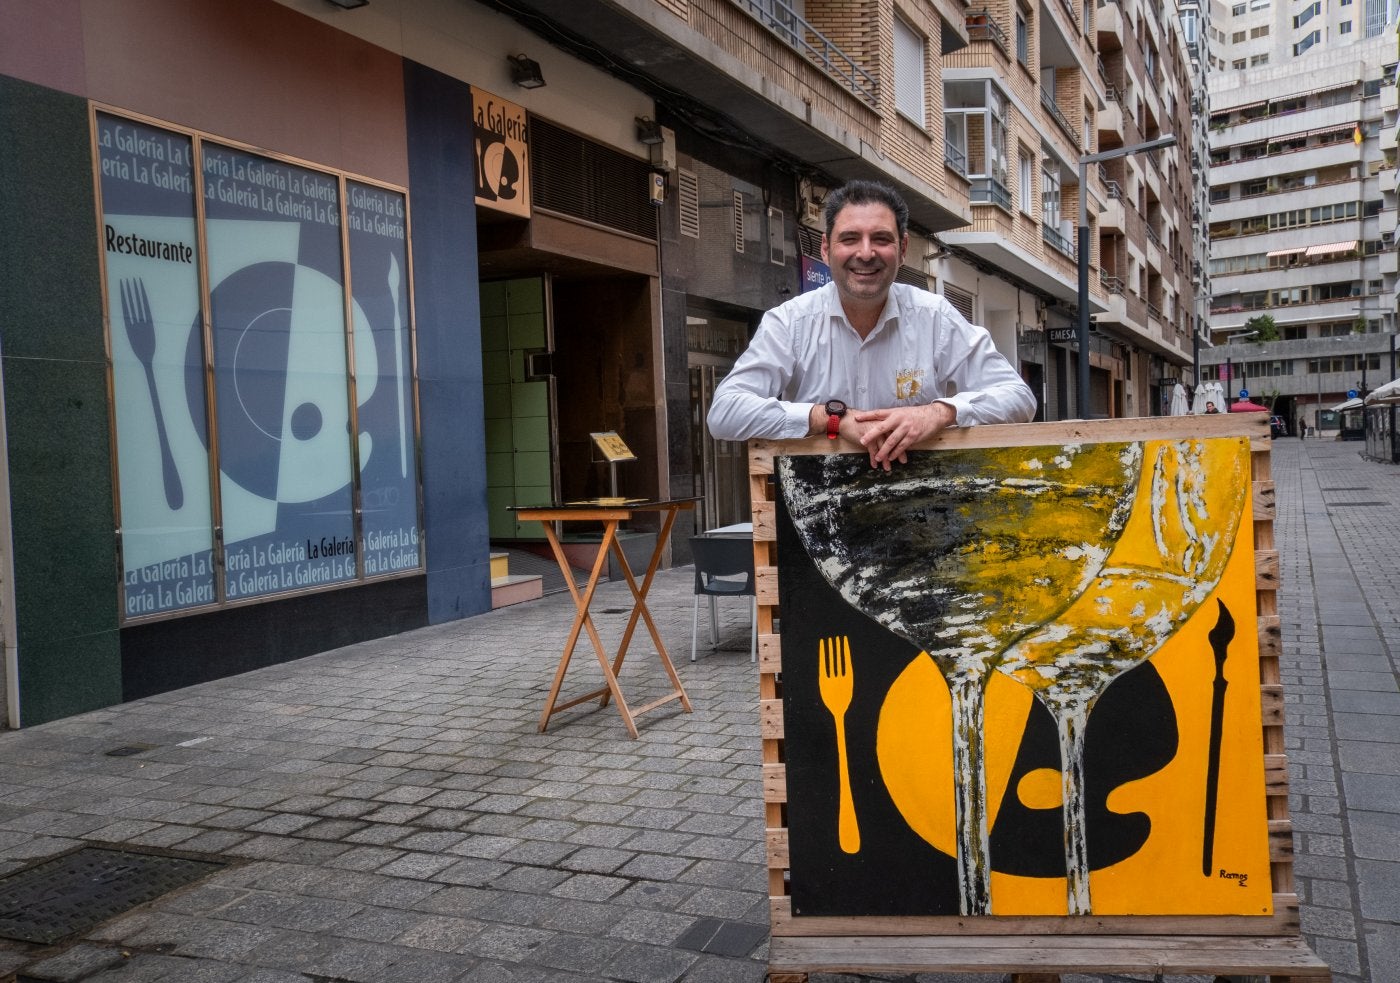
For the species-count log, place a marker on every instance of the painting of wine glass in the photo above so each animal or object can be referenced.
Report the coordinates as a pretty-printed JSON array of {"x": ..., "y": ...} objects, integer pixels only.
[{"x": 1032, "y": 641}]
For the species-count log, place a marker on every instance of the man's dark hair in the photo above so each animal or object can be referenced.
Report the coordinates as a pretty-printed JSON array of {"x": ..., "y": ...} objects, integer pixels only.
[{"x": 867, "y": 193}]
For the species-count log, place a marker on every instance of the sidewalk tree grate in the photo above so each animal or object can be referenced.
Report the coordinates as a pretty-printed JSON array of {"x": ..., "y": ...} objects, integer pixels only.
[
  {"x": 1337, "y": 505},
  {"x": 68, "y": 895}
]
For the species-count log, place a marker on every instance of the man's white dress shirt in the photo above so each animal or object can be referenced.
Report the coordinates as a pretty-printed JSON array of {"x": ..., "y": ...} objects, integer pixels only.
[{"x": 921, "y": 350}]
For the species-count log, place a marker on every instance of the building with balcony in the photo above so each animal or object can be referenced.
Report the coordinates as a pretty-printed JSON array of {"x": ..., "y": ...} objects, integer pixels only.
[
  {"x": 303, "y": 296},
  {"x": 1303, "y": 206},
  {"x": 1040, "y": 86}
]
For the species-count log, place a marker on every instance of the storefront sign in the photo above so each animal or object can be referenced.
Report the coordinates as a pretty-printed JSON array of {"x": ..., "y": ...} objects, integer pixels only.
[
  {"x": 1062, "y": 335},
  {"x": 501, "y": 141},
  {"x": 815, "y": 274}
]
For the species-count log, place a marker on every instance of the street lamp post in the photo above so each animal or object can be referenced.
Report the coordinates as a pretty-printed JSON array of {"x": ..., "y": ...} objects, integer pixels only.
[{"x": 1083, "y": 333}]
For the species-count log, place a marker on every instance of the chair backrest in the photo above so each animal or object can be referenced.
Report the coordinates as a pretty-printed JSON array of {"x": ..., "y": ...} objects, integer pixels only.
[{"x": 722, "y": 556}]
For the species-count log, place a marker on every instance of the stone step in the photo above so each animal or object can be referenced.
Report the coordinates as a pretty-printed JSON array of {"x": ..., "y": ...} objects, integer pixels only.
[{"x": 513, "y": 589}]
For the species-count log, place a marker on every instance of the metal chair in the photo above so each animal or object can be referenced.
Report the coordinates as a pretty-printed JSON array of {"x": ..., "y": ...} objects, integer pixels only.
[{"x": 723, "y": 568}]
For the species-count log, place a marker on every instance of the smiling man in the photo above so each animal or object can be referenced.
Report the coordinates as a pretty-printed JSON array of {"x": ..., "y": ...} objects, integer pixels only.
[{"x": 877, "y": 362}]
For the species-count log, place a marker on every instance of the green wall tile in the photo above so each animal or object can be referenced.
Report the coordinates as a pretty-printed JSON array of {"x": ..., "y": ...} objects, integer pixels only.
[
  {"x": 527, "y": 329},
  {"x": 532, "y": 468},
  {"x": 495, "y": 367},
  {"x": 495, "y": 333},
  {"x": 499, "y": 471},
  {"x": 493, "y": 299},
  {"x": 530, "y": 399},
  {"x": 532, "y": 433},
  {"x": 525, "y": 295}
]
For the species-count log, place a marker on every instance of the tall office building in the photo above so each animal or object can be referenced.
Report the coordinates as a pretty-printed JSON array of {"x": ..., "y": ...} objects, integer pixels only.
[{"x": 1303, "y": 204}]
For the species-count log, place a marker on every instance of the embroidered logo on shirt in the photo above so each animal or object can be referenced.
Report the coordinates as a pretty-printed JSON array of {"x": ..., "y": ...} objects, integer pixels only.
[{"x": 907, "y": 384}]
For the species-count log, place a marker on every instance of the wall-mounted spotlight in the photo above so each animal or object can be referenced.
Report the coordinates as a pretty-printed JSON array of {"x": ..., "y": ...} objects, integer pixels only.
[
  {"x": 348, "y": 4},
  {"x": 525, "y": 72},
  {"x": 649, "y": 131}
]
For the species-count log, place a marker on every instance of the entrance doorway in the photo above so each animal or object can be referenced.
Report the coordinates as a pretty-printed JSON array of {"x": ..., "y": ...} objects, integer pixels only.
[{"x": 719, "y": 467}]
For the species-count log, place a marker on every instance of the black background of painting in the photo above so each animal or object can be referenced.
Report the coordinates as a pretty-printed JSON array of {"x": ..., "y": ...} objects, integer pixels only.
[{"x": 1131, "y": 733}]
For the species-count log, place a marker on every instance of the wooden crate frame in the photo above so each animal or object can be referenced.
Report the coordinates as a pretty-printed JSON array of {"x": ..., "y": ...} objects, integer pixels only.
[{"x": 1226, "y": 944}]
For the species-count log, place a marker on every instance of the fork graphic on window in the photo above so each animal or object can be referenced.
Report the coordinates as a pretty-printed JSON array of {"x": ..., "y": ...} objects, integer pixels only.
[{"x": 141, "y": 333}]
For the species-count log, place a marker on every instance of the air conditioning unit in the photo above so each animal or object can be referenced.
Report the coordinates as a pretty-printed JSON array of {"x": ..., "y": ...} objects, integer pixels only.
[{"x": 811, "y": 213}]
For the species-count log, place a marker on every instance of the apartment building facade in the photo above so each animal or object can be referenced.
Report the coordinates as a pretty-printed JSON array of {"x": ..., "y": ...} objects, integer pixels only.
[
  {"x": 1303, "y": 207},
  {"x": 471, "y": 235}
]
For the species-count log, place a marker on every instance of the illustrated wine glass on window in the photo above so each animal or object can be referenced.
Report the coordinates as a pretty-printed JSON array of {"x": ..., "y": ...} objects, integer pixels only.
[
  {"x": 1168, "y": 560},
  {"x": 963, "y": 552}
]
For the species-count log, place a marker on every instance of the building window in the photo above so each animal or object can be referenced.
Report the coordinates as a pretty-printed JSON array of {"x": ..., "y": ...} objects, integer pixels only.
[
  {"x": 1307, "y": 42},
  {"x": 1023, "y": 36},
  {"x": 1238, "y": 37},
  {"x": 1307, "y": 14},
  {"x": 1026, "y": 159},
  {"x": 1256, "y": 60},
  {"x": 1050, "y": 194},
  {"x": 1344, "y": 27},
  {"x": 1238, "y": 63},
  {"x": 1259, "y": 32},
  {"x": 275, "y": 417},
  {"x": 909, "y": 72},
  {"x": 974, "y": 119},
  {"x": 1237, "y": 10}
]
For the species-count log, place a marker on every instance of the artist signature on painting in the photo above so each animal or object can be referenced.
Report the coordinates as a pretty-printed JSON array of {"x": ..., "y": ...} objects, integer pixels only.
[{"x": 1227, "y": 875}]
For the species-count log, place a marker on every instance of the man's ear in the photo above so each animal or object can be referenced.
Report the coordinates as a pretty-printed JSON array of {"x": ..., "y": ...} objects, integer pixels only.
[
  {"x": 903, "y": 247},
  {"x": 824, "y": 250}
]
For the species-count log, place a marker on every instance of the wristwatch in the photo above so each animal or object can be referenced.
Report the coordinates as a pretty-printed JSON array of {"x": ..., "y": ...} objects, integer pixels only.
[{"x": 835, "y": 410}]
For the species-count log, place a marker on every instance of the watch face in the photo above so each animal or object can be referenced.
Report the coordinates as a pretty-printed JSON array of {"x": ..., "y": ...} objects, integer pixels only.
[{"x": 834, "y": 407}]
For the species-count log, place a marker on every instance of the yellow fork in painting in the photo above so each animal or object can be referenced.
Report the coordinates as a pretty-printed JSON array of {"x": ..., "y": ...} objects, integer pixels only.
[{"x": 837, "y": 683}]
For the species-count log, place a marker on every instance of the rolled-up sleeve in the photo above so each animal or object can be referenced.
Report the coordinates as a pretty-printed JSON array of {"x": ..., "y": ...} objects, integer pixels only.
[
  {"x": 747, "y": 402},
  {"x": 987, "y": 389}
]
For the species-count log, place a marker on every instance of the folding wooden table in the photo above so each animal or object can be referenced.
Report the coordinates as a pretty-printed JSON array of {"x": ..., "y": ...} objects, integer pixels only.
[{"x": 610, "y": 512}]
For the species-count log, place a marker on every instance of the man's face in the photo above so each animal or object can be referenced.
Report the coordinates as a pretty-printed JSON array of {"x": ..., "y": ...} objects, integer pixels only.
[{"x": 864, "y": 251}]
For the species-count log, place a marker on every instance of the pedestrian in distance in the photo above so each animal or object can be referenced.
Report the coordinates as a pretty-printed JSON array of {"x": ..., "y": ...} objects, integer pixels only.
[
  {"x": 1210, "y": 407},
  {"x": 880, "y": 363}
]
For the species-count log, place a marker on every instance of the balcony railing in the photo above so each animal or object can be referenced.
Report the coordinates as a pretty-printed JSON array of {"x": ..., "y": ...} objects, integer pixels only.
[
  {"x": 955, "y": 158},
  {"x": 982, "y": 26},
  {"x": 1047, "y": 100},
  {"x": 1153, "y": 311},
  {"x": 1052, "y": 236},
  {"x": 787, "y": 24},
  {"x": 1152, "y": 234},
  {"x": 1112, "y": 284},
  {"x": 989, "y": 191}
]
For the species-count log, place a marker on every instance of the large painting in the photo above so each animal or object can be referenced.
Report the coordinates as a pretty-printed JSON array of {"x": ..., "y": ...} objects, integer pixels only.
[{"x": 1023, "y": 681}]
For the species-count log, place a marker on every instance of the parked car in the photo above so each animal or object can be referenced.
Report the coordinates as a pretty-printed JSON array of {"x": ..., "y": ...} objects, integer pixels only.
[{"x": 1277, "y": 428}]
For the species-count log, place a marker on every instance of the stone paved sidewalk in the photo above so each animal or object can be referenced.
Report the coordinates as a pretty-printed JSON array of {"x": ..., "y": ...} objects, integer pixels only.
[{"x": 391, "y": 815}]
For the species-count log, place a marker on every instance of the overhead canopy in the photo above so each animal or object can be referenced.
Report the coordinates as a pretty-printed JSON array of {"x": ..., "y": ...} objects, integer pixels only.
[
  {"x": 1329, "y": 248},
  {"x": 1245, "y": 406},
  {"x": 1350, "y": 404},
  {"x": 1285, "y": 252},
  {"x": 1388, "y": 393}
]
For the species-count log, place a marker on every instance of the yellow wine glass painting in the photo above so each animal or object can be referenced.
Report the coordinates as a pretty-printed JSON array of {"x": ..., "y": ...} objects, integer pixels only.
[{"x": 1057, "y": 567}]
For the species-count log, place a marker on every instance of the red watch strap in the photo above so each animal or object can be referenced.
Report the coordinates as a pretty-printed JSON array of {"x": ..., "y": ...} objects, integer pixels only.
[{"x": 833, "y": 426}]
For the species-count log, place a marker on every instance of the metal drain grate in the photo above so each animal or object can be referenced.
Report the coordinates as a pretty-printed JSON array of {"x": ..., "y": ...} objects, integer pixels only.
[
  {"x": 72, "y": 893},
  {"x": 1337, "y": 505}
]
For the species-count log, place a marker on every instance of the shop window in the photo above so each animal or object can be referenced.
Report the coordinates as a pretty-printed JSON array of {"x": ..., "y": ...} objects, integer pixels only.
[{"x": 281, "y": 323}]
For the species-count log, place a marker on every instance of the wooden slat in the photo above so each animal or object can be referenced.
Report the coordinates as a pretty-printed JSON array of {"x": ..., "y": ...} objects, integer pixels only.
[
  {"x": 770, "y": 653},
  {"x": 765, "y": 522},
  {"x": 1270, "y": 637},
  {"x": 1265, "y": 501},
  {"x": 1271, "y": 704},
  {"x": 1266, "y": 570},
  {"x": 765, "y": 581},
  {"x": 1189, "y": 955},
  {"x": 1283, "y": 922},
  {"x": 775, "y": 782},
  {"x": 770, "y": 719},
  {"x": 776, "y": 841}
]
